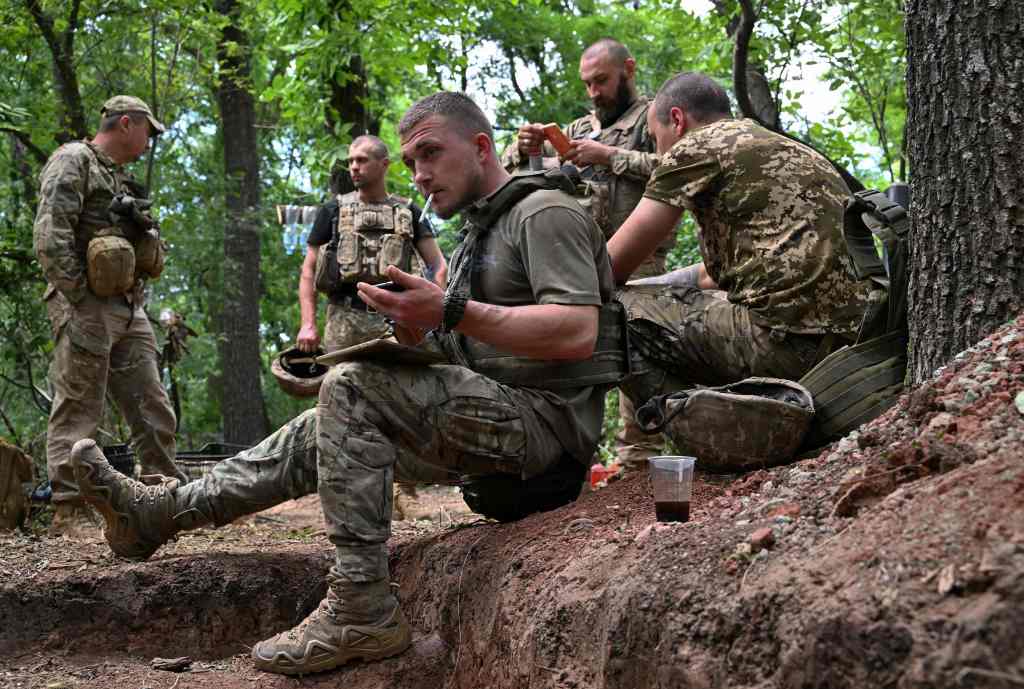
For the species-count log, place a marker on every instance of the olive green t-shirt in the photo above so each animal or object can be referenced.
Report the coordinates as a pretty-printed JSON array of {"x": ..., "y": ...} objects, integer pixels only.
[
  {"x": 548, "y": 250},
  {"x": 770, "y": 212}
]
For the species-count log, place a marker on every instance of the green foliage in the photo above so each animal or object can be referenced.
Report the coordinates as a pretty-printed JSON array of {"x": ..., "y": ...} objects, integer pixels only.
[{"x": 519, "y": 58}]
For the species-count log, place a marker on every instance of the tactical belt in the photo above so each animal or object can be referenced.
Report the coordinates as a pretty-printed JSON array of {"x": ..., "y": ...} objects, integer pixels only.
[{"x": 348, "y": 297}]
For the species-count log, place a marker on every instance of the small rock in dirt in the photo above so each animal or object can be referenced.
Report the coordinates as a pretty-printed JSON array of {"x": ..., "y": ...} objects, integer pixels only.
[
  {"x": 171, "y": 664},
  {"x": 762, "y": 539},
  {"x": 947, "y": 580},
  {"x": 767, "y": 486},
  {"x": 789, "y": 509},
  {"x": 1018, "y": 401},
  {"x": 941, "y": 421},
  {"x": 743, "y": 549}
]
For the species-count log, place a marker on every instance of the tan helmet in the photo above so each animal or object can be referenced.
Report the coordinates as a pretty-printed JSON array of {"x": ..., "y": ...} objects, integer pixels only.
[
  {"x": 110, "y": 261},
  {"x": 297, "y": 373}
]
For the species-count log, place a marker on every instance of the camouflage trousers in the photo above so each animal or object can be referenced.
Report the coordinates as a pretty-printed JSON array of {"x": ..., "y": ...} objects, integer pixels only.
[
  {"x": 633, "y": 447},
  {"x": 375, "y": 424},
  {"x": 347, "y": 326},
  {"x": 684, "y": 337},
  {"x": 105, "y": 345}
]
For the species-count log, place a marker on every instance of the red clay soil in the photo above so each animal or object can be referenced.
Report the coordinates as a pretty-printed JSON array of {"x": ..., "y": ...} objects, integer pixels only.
[{"x": 893, "y": 559}]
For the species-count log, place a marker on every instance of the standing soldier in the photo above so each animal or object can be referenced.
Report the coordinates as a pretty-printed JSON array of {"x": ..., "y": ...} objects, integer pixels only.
[
  {"x": 97, "y": 246},
  {"x": 615, "y": 154},
  {"x": 354, "y": 239}
]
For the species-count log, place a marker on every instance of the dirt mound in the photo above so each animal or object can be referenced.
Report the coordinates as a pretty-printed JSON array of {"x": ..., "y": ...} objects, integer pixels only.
[{"x": 893, "y": 559}]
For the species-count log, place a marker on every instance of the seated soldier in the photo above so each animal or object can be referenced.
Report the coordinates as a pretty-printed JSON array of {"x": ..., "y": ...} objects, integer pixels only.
[
  {"x": 521, "y": 310},
  {"x": 776, "y": 291}
]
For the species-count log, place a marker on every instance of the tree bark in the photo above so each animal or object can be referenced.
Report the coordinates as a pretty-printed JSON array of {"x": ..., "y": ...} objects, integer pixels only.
[
  {"x": 242, "y": 406},
  {"x": 348, "y": 104},
  {"x": 966, "y": 152}
]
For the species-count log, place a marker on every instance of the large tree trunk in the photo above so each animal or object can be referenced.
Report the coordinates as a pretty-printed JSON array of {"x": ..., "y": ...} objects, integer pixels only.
[
  {"x": 965, "y": 109},
  {"x": 348, "y": 104},
  {"x": 242, "y": 407}
]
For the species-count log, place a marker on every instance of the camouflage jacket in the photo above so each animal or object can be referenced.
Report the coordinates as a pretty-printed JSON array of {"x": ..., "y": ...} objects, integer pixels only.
[
  {"x": 616, "y": 188},
  {"x": 75, "y": 189},
  {"x": 770, "y": 212}
]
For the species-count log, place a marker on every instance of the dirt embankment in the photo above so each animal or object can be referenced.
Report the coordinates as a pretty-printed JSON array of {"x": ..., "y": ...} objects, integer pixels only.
[{"x": 893, "y": 559}]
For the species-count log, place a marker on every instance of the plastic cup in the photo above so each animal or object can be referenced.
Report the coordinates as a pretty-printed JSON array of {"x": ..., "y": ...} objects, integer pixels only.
[{"x": 673, "y": 481}]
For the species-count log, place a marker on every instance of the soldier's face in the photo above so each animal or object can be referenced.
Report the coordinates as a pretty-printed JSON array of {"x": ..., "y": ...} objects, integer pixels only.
[
  {"x": 365, "y": 169},
  {"x": 608, "y": 86},
  {"x": 136, "y": 137},
  {"x": 666, "y": 134},
  {"x": 445, "y": 162}
]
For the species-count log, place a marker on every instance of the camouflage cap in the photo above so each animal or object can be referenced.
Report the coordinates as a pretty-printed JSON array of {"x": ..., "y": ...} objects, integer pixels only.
[{"x": 132, "y": 104}]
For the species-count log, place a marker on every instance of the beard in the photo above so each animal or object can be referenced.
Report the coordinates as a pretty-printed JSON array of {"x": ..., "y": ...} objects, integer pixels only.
[
  {"x": 472, "y": 194},
  {"x": 607, "y": 113}
]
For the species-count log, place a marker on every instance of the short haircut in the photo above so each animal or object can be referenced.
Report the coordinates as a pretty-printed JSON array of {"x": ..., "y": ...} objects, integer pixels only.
[
  {"x": 616, "y": 51},
  {"x": 109, "y": 120},
  {"x": 378, "y": 149},
  {"x": 697, "y": 93},
  {"x": 456, "y": 107}
]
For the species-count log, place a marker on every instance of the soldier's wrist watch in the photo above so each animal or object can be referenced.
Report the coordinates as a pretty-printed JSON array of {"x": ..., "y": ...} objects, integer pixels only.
[{"x": 454, "y": 309}]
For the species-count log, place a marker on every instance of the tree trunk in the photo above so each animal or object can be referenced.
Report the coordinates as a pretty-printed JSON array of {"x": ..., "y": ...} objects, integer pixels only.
[
  {"x": 242, "y": 407},
  {"x": 348, "y": 105},
  {"x": 966, "y": 151}
]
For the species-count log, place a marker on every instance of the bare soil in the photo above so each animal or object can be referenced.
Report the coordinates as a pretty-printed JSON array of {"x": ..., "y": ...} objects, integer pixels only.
[{"x": 894, "y": 558}]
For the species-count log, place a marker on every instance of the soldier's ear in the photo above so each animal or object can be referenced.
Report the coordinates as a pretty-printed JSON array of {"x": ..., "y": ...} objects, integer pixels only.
[{"x": 629, "y": 66}]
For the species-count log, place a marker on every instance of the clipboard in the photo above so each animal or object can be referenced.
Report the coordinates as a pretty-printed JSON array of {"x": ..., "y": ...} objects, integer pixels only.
[{"x": 387, "y": 351}]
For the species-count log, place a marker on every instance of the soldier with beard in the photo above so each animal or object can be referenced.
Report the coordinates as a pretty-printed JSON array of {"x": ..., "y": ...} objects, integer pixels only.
[{"x": 614, "y": 151}]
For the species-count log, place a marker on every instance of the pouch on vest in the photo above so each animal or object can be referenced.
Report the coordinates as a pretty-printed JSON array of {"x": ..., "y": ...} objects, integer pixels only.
[
  {"x": 150, "y": 255},
  {"x": 326, "y": 277},
  {"x": 755, "y": 423},
  {"x": 110, "y": 265}
]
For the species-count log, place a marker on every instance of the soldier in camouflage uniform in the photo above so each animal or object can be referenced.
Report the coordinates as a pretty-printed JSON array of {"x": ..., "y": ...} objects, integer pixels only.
[
  {"x": 520, "y": 307},
  {"x": 101, "y": 342},
  {"x": 615, "y": 153},
  {"x": 367, "y": 213},
  {"x": 776, "y": 291}
]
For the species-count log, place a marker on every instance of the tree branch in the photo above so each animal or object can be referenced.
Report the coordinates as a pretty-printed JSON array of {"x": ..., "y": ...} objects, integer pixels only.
[
  {"x": 26, "y": 141},
  {"x": 62, "y": 51}
]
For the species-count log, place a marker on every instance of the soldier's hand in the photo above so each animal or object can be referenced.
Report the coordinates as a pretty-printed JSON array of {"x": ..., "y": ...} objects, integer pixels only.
[
  {"x": 308, "y": 339},
  {"x": 531, "y": 140},
  {"x": 583, "y": 152},
  {"x": 418, "y": 307}
]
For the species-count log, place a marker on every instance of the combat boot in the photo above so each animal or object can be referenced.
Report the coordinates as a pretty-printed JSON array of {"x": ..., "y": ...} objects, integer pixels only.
[
  {"x": 139, "y": 518},
  {"x": 357, "y": 621},
  {"x": 75, "y": 520}
]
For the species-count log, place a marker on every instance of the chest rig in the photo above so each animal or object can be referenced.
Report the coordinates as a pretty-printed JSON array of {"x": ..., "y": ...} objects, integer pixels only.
[{"x": 371, "y": 237}]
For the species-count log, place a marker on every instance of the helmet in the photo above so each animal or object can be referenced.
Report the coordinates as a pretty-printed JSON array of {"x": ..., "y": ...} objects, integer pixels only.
[
  {"x": 110, "y": 261},
  {"x": 752, "y": 424},
  {"x": 297, "y": 373}
]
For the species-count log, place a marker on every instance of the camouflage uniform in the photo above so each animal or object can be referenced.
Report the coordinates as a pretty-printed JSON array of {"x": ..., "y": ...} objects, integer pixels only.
[
  {"x": 611, "y": 194},
  {"x": 377, "y": 423},
  {"x": 102, "y": 343},
  {"x": 770, "y": 214}
]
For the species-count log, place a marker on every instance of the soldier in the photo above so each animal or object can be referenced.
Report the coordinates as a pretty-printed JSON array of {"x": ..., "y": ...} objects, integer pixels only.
[
  {"x": 615, "y": 154},
  {"x": 368, "y": 217},
  {"x": 96, "y": 263},
  {"x": 522, "y": 311},
  {"x": 770, "y": 213}
]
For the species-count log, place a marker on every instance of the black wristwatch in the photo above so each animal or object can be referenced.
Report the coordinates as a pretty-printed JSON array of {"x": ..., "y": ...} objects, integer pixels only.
[{"x": 454, "y": 310}]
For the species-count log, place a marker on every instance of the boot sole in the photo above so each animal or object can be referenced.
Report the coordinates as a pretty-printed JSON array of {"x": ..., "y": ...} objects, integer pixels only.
[{"x": 329, "y": 663}]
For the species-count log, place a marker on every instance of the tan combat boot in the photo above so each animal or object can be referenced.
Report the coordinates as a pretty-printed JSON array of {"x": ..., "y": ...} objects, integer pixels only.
[
  {"x": 356, "y": 621},
  {"x": 75, "y": 520},
  {"x": 139, "y": 518}
]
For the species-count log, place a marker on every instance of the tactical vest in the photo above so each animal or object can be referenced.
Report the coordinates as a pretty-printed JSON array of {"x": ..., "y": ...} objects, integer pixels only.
[
  {"x": 372, "y": 236},
  {"x": 608, "y": 197},
  {"x": 609, "y": 362}
]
